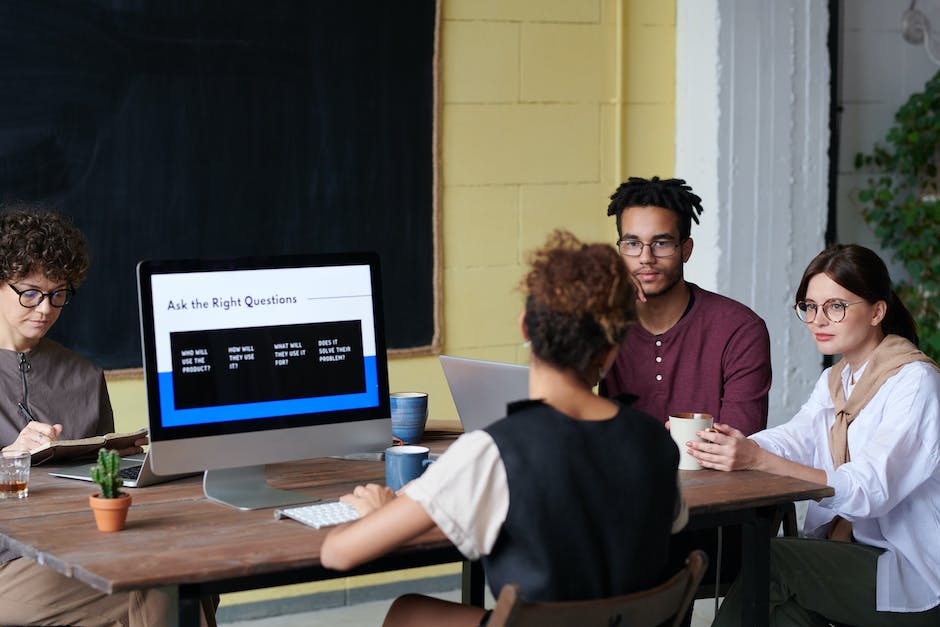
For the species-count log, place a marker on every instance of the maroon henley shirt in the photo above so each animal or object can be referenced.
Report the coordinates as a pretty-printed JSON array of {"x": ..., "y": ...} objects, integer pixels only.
[{"x": 715, "y": 360}]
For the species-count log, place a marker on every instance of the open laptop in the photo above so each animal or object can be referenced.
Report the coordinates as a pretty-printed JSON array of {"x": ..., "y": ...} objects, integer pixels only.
[
  {"x": 135, "y": 470},
  {"x": 482, "y": 389}
]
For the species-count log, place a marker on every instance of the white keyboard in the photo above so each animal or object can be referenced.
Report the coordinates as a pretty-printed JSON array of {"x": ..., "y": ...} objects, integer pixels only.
[{"x": 320, "y": 514}]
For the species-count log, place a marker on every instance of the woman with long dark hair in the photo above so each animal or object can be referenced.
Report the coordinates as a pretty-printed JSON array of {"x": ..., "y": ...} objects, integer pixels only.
[{"x": 871, "y": 430}]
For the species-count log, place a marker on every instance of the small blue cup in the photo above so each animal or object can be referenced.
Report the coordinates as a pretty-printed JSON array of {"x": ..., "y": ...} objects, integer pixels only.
[
  {"x": 409, "y": 416},
  {"x": 404, "y": 463}
]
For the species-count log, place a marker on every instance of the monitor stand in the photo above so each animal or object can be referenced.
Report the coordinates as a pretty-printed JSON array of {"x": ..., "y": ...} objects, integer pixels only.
[{"x": 247, "y": 488}]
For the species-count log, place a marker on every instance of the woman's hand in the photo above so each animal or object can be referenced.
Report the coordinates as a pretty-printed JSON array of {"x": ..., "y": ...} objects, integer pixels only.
[
  {"x": 368, "y": 498},
  {"x": 726, "y": 448},
  {"x": 34, "y": 435},
  {"x": 386, "y": 528}
]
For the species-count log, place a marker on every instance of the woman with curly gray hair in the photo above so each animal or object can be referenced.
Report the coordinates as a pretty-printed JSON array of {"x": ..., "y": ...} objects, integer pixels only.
[
  {"x": 43, "y": 259},
  {"x": 48, "y": 392}
]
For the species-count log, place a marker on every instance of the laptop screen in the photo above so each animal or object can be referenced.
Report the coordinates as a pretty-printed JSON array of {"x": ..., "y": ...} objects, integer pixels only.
[{"x": 482, "y": 389}]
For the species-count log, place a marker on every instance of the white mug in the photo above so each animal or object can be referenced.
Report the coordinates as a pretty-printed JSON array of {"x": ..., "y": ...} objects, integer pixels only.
[{"x": 682, "y": 428}]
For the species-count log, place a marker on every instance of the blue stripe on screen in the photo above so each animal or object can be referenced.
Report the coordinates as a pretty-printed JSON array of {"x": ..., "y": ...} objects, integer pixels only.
[{"x": 171, "y": 417}]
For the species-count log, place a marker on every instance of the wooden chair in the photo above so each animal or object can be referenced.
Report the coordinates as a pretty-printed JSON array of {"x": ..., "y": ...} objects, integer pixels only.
[{"x": 664, "y": 605}]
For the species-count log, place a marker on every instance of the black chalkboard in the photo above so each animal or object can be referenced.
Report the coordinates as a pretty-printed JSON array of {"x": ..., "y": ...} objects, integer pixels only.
[{"x": 180, "y": 129}]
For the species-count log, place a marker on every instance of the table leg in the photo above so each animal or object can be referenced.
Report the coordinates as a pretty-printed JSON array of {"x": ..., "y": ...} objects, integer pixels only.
[
  {"x": 472, "y": 582},
  {"x": 189, "y": 608},
  {"x": 755, "y": 571}
]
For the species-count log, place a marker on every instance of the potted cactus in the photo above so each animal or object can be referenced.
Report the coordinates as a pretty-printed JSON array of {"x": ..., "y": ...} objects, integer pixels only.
[{"x": 110, "y": 507}]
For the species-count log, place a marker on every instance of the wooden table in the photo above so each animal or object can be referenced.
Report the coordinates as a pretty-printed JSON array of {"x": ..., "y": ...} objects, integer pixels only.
[
  {"x": 177, "y": 539},
  {"x": 749, "y": 498}
]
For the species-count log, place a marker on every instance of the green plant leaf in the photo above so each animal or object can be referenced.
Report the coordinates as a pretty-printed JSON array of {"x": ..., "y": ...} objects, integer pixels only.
[{"x": 901, "y": 203}]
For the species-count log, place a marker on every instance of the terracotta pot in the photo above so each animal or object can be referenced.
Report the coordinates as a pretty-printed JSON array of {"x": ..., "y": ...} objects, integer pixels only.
[{"x": 110, "y": 514}]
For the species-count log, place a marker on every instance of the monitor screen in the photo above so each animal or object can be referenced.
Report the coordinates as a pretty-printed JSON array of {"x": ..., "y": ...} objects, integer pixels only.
[{"x": 253, "y": 361}]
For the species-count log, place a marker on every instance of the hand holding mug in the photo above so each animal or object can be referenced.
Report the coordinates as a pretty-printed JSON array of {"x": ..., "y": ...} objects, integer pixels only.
[{"x": 725, "y": 448}]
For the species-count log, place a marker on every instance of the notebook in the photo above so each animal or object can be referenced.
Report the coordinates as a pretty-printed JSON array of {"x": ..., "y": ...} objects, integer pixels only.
[
  {"x": 482, "y": 389},
  {"x": 135, "y": 470}
]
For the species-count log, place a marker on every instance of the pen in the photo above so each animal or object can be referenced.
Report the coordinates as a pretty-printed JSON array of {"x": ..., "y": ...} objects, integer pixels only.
[{"x": 25, "y": 412}]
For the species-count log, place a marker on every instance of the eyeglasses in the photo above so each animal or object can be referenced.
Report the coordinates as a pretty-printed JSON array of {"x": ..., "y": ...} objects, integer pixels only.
[
  {"x": 33, "y": 298},
  {"x": 658, "y": 248},
  {"x": 832, "y": 309}
]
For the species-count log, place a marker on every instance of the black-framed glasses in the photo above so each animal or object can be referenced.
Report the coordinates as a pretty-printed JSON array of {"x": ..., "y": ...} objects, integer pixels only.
[
  {"x": 31, "y": 297},
  {"x": 658, "y": 248},
  {"x": 833, "y": 309}
]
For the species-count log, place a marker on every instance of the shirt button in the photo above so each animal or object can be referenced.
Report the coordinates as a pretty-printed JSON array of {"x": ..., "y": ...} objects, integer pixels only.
[
  {"x": 659, "y": 377},
  {"x": 659, "y": 359},
  {"x": 659, "y": 342}
]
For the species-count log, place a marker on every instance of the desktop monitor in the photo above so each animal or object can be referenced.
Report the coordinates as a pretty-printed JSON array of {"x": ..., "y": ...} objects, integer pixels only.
[{"x": 253, "y": 361}]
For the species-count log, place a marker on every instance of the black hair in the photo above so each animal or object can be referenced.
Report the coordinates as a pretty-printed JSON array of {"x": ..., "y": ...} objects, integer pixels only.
[
  {"x": 672, "y": 194},
  {"x": 861, "y": 271},
  {"x": 34, "y": 239}
]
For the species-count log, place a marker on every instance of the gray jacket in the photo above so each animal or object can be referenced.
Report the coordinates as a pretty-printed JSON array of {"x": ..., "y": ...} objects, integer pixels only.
[{"x": 57, "y": 386}]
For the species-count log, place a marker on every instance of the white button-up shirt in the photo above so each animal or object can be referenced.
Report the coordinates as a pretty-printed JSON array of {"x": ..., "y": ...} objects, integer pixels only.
[{"x": 890, "y": 489}]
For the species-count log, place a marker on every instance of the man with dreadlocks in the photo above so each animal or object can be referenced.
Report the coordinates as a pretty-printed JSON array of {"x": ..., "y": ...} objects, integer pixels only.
[{"x": 691, "y": 349}]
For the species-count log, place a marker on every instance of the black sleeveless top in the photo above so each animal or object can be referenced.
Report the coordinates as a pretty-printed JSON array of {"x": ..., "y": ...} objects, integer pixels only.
[{"x": 591, "y": 503}]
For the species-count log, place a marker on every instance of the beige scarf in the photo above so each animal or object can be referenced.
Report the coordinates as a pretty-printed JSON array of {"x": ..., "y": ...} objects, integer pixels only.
[{"x": 893, "y": 353}]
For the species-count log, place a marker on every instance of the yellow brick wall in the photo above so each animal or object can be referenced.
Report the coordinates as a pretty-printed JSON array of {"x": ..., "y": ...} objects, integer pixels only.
[
  {"x": 648, "y": 88},
  {"x": 547, "y": 105}
]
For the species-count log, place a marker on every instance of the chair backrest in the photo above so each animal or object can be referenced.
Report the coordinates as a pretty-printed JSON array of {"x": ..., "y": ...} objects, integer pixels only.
[{"x": 666, "y": 604}]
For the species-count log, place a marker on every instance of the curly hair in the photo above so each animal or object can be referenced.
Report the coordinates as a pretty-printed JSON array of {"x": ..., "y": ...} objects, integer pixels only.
[
  {"x": 579, "y": 303},
  {"x": 672, "y": 194},
  {"x": 36, "y": 240}
]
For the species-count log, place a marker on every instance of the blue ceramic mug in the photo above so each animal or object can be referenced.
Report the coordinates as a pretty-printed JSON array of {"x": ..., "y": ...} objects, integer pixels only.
[
  {"x": 409, "y": 416},
  {"x": 404, "y": 463}
]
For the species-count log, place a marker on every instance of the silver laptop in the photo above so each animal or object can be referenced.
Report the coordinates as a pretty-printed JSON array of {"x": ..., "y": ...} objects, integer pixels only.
[
  {"x": 135, "y": 470},
  {"x": 481, "y": 389}
]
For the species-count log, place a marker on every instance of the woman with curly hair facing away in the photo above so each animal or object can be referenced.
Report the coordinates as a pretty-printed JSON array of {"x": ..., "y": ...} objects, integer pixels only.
[
  {"x": 48, "y": 392},
  {"x": 571, "y": 495}
]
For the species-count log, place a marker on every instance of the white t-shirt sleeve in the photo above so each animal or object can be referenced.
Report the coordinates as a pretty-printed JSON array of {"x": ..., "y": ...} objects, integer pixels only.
[{"x": 466, "y": 493}]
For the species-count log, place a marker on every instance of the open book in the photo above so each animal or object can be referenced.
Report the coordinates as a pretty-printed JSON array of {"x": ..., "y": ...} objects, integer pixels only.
[{"x": 68, "y": 450}]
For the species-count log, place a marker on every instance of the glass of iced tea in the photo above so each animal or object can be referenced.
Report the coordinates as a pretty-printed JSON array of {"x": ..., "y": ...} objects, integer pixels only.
[{"x": 14, "y": 474}]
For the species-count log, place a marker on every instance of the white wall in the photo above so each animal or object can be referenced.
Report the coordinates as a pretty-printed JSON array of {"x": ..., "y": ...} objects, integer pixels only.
[
  {"x": 880, "y": 70},
  {"x": 751, "y": 138},
  {"x": 752, "y": 135}
]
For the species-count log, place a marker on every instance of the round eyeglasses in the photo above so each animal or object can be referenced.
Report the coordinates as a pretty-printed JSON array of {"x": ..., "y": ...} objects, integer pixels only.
[
  {"x": 658, "y": 248},
  {"x": 33, "y": 298},
  {"x": 832, "y": 309}
]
